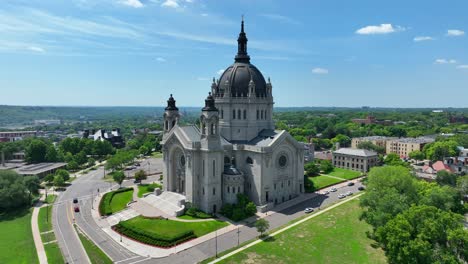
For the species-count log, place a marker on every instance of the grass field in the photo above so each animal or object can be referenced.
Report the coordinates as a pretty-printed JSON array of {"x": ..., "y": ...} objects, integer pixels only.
[
  {"x": 45, "y": 219},
  {"x": 51, "y": 198},
  {"x": 345, "y": 174},
  {"x": 16, "y": 240},
  {"x": 171, "y": 228},
  {"x": 54, "y": 255},
  {"x": 333, "y": 237},
  {"x": 120, "y": 200},
  {"x": 47, "y": 237},
  {"x": 146, "y": 188},
  {"x": 323, "y": 181},
  {"x": 95, "y": 254}
]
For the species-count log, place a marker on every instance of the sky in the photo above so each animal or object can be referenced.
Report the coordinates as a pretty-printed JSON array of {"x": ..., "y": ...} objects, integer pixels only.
[{"x": 317, "y": 53}]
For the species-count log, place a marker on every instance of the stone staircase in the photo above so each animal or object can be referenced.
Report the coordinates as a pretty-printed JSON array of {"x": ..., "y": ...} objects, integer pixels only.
[{"x": 170, "y": 203}]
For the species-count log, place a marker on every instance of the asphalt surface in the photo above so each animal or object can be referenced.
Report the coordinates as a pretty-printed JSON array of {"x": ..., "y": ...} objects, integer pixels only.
[{"x": 85, "y": 188}]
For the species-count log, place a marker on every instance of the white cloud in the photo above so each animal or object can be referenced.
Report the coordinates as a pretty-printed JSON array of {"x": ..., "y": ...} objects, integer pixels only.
[
  {"x": 161, "y": 59},
  {"x": 280, "y": 18},
  {"x": 170, "y": 3},
  {"x": 36, "y": 49},
  {"x": 220, "y": 72},
  {"x": 455, "y": 33},
  {"x": 204, "y": 15},
  {"x": 422, "y": 38},
  {"x": 132, "y": 3},
  {"x": 465, "y": 66},
  {"x": 445, "y": 61},
  {"x": 189, "y": 1},
  {"x": 319, "y": 71},
  {"x": 381, "y": 29}
]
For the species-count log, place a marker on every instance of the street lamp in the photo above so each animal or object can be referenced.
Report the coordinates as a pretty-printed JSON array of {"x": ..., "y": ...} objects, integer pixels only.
[
  {"x": 238, "y": 233},
  {"x": 92, "y": 200},
  {"x": 216, "y": 244}
]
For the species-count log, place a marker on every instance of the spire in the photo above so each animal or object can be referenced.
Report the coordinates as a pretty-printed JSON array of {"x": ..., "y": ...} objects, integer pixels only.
[
  {"x": 171, "y": 104},
  {"x": 209, "y": 103},
  {"x": 242, "y": 55}
]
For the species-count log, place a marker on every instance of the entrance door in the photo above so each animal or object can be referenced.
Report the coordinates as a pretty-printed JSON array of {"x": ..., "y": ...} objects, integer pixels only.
[{"x": 266, "y": 196}]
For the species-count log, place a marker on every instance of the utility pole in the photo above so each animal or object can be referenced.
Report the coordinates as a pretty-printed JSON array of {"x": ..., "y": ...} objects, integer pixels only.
[
  {"x": 47, "y": 209},
  {"x": 216, "y": 244},
  {"x": 238, "y": 233},
  {"x": 92, "y": 200}
]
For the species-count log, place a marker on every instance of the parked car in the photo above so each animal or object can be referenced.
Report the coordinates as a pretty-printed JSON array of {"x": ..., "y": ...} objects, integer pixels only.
[
  {"x": 75, "y": 200},
  {"x": 333, "y": 189},
  {"x": 325, "y": 192},
  {"x": 308, "y": 210},
  {"x": 361, "y": 188},
  {"x": 350, "y": 183},
  {"x": 76, "y": 209},
  {"x": 136, "y": 181},
  {"x": 349, "y": 193},
  {"x": 341, "y": 196}
]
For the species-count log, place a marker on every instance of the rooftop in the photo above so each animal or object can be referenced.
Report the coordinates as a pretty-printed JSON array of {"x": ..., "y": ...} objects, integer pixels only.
[
  {"x": 415, "y": 140},
  {"x": 356, "y": 152},
  {"x": 34, "y": 169}
]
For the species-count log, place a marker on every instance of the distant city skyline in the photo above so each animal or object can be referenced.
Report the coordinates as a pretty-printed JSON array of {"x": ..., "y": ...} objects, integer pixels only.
[{"x": 317, "y": 53}]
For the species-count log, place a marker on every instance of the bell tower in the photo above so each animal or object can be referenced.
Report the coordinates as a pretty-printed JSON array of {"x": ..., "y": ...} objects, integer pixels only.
[{"x": 171, "y": 115}]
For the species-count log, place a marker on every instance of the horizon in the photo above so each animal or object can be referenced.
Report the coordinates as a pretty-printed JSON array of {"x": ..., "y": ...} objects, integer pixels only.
[{"x": 317, "y": 53}]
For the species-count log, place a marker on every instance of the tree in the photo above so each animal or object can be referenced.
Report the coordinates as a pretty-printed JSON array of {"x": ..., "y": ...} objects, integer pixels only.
[
  {"x": 342, "y": 139},
  {"x": 36, "y": 151},
  {"x": 250, "y": 209},
  {"x": 32, "y": 183},
  {"x": 143, "y": 150},
  {"x": 424, "y": 234},
  {"x": 390, "y": 191},
  {"x": 118, "y": 177},
  {"x": 13, "y": 191},
  {"x": 262, "y": 225},
  {"x": 462, "y": 185},
  {"x": 59, "y": 181},
  {"x": 51, "y": 154},
  {"x": 371, "y": 146},
  {"x": 49, "y": 178},
  {"x": 440, "y": 149},
  {"x": 326, "y": 166},
  {"x": 446, "y": 178},
  {"x": 392, "y": 159},
  {"x": 91, "y": 162},
  {"x": 311, "y": 169},
  {"x": 73, "y": 166},
  {"x": 65, "y": 175},
  {"x": 416, "y": 155},
  {"x": 443, "y": 197},
  {"x": 140, "y": 175}
]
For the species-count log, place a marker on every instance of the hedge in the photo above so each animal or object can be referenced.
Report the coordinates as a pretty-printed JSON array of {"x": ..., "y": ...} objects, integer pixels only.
[
  {"x": 150, "y": 238},
  {"x": 104, "y": 205}
]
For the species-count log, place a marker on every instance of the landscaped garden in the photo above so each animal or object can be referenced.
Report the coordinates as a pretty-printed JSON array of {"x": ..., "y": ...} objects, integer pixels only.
[
  {"x": 165, "y": 233},
  {"x": 345, "y": 174},
  {"x": 319, "y": 182},
  {"x": 337, "y": 236},
  {"x": 115, "y": 201},
  {"x": 195, "y": 214},
  {"x": 147, "y": 188},
  {"x": 17, "y": 243}
]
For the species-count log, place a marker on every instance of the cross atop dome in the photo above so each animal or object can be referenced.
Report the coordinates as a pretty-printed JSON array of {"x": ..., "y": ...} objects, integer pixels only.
[{"x": 242, "y": 55}]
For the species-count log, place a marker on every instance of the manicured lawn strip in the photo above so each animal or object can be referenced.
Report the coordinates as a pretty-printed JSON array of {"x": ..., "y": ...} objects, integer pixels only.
[
  {"x": 345, "y": 174},
  {"x": 51, "y": 198},
  {"x": 166, "y": 233},
  {"x": 189, "y": 217},
  {"x": 54, "y": 255},
  {"x": 115, "y": 201},
  {"x": 95, "y": 254},
  {"x": 45, "y": 219},
  {"x": 323, "y": 181},
  {"x": 146, "y": 188},
  {"x": 16, "y": 239},
  {"x": 337, "y": 236},
  {"x": 47, "y": 237}
]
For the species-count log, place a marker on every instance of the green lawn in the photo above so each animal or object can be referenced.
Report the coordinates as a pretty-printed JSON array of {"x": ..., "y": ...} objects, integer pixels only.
[
  {"x": 95, "y": 254},
  {"x": 172, "y": 228},
  {"x": 47, "y": 237},
  {"x": 157, "y": 155},
  {"x": 146, "y": 188},
  {"x": 345, "y": 174},
  {"x": 51, "y": 198},
  {"x": 16, "y": 240},
  {"x": 323, "y": 181},
  {"x": 53, "y": 253},
  {"x": 189, "y": 217},
  {"x": 333, "y": 237},
  {"x": 45, "y": 218},
  {"x": 120, "y": 200}
]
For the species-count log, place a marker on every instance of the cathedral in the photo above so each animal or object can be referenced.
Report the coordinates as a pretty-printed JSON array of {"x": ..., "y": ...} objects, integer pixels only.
[{"x": 235, "y": 148}]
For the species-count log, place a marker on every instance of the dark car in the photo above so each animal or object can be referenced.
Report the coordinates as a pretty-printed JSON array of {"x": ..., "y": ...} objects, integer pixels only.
[
  {"x": 76, "y": 209},
  {"x": 75, "y": 200},
  {"x": 350, "y": 183},
  {"x": 361, "y": 188}
]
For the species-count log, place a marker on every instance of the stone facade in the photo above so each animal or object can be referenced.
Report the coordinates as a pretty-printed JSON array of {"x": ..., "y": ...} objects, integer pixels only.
[
  {"x": 235, "y": 148},
  {"x": 355, "y": 159}
]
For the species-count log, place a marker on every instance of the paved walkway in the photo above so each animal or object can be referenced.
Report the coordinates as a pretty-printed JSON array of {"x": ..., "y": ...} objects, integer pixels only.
[
  {"x": 37, "y": 234},
  {"x": 283, "y": 229}
]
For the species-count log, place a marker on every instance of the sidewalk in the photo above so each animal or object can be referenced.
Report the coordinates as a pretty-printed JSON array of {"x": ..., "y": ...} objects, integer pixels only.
[{"x": 37, "y": 234}]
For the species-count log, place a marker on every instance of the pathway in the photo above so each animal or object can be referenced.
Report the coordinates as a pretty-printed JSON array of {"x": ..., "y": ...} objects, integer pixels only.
[{"x": 37, "y": 234}]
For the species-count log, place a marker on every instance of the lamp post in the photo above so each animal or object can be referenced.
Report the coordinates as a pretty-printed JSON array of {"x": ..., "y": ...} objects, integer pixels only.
[
  {"x": 47, "y": 209},
  {"x": 92, "y": 200},
  {"x": 120, "y": 232},
  {"x": 216, "y": 244},
  {"x": 238, "y": 233}
]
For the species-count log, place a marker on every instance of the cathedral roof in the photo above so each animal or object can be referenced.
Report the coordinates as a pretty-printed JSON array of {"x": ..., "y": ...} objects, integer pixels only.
[{"x": 237, "y": 77}]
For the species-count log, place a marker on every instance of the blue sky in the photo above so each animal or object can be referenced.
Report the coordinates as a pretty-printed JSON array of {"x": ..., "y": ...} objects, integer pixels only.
[{"x": 317, "y": 53}]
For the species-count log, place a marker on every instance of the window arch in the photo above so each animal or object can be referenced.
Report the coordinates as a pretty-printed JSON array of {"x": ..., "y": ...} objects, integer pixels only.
[
  {"x": 214, "y": 168},
  {"x": 258, "y": 114},
  {"x": 245, "y": 114},
  {"x": 233, "y": 114},
  {"x": 239, "y": 114},
  {"x": 222, "y": 113},
  {"x": 249, "y": 160},
  {"x": 261, "y": 114}
]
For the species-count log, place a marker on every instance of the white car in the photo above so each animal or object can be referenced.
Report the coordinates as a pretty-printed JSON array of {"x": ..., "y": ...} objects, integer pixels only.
[
  {"x": 333, "y": 189},
  {"x": 341, "y": 196},
  {"x": 349, "y": 193},
  {"x": 325, "y": 192},
  {"x": 308, "y": 210}
]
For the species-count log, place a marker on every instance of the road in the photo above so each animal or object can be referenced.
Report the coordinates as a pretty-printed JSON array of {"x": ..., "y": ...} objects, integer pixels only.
[{"x": 85, "y": 188}]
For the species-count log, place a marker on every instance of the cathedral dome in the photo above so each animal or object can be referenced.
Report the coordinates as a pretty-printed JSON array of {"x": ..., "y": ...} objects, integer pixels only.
[{"x": 236, "y": 78}]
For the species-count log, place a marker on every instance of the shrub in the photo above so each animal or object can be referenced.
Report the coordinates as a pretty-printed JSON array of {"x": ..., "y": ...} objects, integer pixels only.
[
  {"x": 243, "y": 209},
  {"x": 104, "y": 205}
]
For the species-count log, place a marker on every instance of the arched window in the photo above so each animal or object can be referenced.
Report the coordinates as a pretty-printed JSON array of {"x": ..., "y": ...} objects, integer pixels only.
[
  {"x": 214, "y": 191},
  {"x": 238, "y": 189},
  {"x": 227, "y": 160},
  {"x": 222, "y": 114},
  {"x": 245, "y": 114},
  {"x": 249, "y": 160},
  {"x": 228, "y": 189},
  {"x": 258, "y": 114},
  {"x": 239, "y": 114},
  {"x": 214, "y": 168},
  {"x": 233, "y": 114},
  {"x": 166, "y": 125}
]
